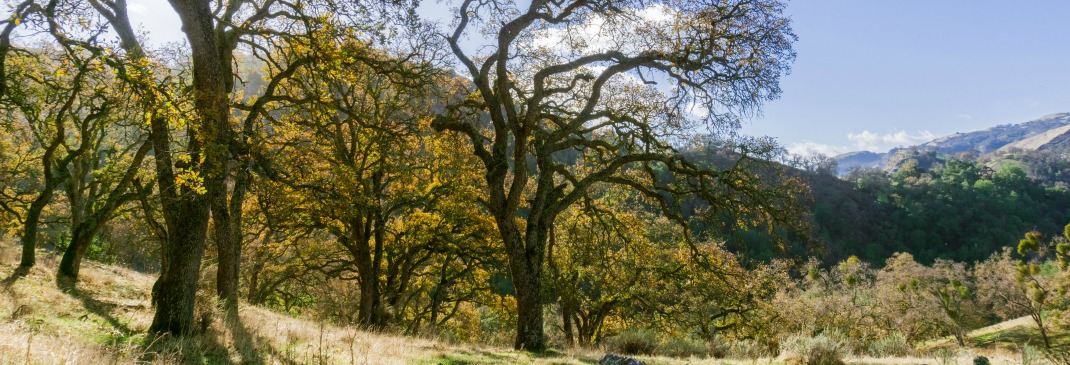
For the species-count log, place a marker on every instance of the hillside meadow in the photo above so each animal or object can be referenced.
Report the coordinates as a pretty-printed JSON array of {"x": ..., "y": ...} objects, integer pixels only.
[{"x": 103, "y": 320}]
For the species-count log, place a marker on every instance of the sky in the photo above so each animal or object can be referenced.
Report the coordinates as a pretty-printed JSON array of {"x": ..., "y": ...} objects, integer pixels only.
[{"x": 872, "y": 75}]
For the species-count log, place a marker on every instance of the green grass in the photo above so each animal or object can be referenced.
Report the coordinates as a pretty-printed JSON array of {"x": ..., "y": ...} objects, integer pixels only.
[
  {"x": 1013, "y": 338},
  {"x": 1007, "y": 338}
]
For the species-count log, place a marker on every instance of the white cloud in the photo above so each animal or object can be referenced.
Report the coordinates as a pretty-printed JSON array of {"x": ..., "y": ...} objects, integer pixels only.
[
  {"x": 863, "y": 141},
  {"x": 595, "y": 36},
  {"x": 695, "y": 109},
  {"x": 870, "y": 141},
  {"x": 807, "y": 148},
  {"x": 658, "y": 13}
]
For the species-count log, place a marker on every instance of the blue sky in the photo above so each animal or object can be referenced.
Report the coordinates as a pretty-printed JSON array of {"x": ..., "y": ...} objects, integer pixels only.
[{"x": 876, "y": 74}]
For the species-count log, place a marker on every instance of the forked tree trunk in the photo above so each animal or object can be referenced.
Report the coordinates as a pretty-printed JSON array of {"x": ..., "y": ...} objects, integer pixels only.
[{"x": 88, "y": 227}]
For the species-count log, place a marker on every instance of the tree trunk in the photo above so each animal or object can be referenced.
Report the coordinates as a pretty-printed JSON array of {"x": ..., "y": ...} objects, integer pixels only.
[
  {"x": 436, "y": 295},
  {"x": 1044, "y": 335},
  {"x": 29, "y": 228},
  {"x": 185, "y": 210},
  {"x": 75, "y": 252},
  {"x": 525, "y": 267},
  {"x": 228, "y": 236},
  {"x": 176, "y": 290},
  {"x": 370, "y": 304},
  {"x": 368, "y": 312},
  {"x": 529, "y": 310},
  {"x": 87, "y": 227},
  {"x": 566, "y": 323}
]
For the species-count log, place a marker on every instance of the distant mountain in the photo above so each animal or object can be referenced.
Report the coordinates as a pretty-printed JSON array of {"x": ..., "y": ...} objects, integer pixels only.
[
  {"x": 852, "y": 160},
  {"x": 992, "y": 139},
  {"x": 1053, "y": 139},
  {"x": 1048, "y": 133}
]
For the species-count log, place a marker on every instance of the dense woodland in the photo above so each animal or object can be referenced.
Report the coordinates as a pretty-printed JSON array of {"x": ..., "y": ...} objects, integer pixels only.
[
  {"x": 576, "y": 179},
  {"x": 962, "y": 210}
]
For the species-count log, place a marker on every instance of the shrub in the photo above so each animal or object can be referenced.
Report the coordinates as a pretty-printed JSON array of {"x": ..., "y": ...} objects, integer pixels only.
[
  {"x": 744, "y": 349},
  {"x": 818, "y": 350},
  {"x": 683, "y": 347},
  {"x": 891, "y": 346},
  {"x": 634, "y": 342}
]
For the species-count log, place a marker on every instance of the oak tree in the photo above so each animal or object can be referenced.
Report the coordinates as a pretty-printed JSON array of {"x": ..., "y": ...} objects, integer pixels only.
[{"x": 617, "y": 84}]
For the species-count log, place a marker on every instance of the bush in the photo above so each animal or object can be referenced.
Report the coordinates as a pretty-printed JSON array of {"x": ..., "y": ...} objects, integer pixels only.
[
  {"x": 891, "y": 346},
  {"x": 634, "y": 342},
  {"x": 743, "y": 349},
  {"x": 818, "y": 350},
  {"x": 683, "y": 347}
]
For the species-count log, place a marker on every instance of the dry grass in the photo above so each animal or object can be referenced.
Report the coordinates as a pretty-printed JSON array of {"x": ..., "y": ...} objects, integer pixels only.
[
  {"x": 103, "y": 321},
  {"x": 1006, "y": 339}
]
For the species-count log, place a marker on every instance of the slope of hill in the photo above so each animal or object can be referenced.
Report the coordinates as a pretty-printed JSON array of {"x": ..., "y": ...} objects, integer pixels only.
[
  {"x": 991, "y": 139},
  {"x": 852, "y": 160},
  {"x": 1048, "y": 132},
  {"x": 1040, "y": 141},
  {"x": 103, "y": 321},
  {"x": 1010, "y": 336}
]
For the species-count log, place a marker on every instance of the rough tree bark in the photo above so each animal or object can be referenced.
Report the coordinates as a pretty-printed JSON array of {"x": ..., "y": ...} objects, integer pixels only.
[{"x": 212, "y": 76}]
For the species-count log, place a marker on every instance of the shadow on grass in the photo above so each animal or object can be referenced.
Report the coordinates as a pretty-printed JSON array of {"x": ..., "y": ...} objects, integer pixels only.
[
  {"x": 206, "y": 348},
  {"x": 451, "y": 360},
  {"x": 100, "y": 308},
  {"x": 489, "y": 357},
  {"x": 1014, "y": 338},
  {"x": 191, "y": 349},
  {"x": 20, "y": 272},
  {"x": 245, "y": 342},
  {"x": 198, "y": 348}
]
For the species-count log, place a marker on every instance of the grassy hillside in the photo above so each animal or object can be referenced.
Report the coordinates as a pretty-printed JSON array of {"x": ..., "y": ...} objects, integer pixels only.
[
  {"x": 102, "y": 320},
  {"x": 1010, "y": 337}
]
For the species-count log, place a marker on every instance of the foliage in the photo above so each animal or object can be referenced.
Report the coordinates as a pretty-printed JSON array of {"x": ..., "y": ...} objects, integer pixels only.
[
  {"x": 309, "y": 140},
  {"x": 634, "y": 342},
  {"x": 894, "y": 345},
  {"x": 738, "y": 349},
  {"x": 842, "y": 299},
  {"x": 551, "y": 124},
  {"x": 817, "y": 350},
  {"x": 961, "y": 211}
]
